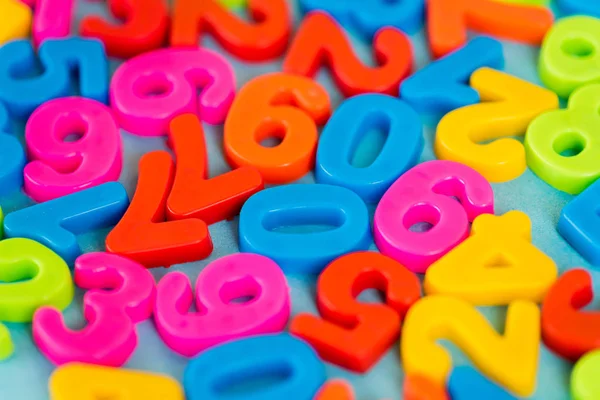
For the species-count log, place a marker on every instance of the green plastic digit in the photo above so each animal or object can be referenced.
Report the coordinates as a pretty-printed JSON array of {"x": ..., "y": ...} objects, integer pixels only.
[
  {"x": 570, "y": 55},
  {"x": 585, "y": 384},
  {"x": 6, "y": 344},
  {"x": 234, "y": 3}
]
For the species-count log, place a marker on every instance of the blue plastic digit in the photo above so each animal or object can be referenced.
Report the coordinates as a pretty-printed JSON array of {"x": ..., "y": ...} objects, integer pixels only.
[
  {"x": 222, "y": 367},
  {"x": 12, "y": 157},
  {"x": 294, "y": 205},
  {"x": 60, "y": 59},
  {"x": 443, "y": 85},
  {"x": 579, "y": 7},
  {"x": 367, "y": 17},
  {"x": 56, "y": 222},
  {"x": 466, "y": 383},
  {"x": 344, "y": 131}
]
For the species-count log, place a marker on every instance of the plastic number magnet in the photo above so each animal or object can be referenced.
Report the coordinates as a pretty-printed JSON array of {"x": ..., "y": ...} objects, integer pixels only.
[
  {"x": 52, "y": 19},
  {"x": 510, "y": 359},
  {"x": 262, "y": 39},
  {"x": 374, "y": 327},
  {"x": 56, "y": 222},
  {"x": 345, "y": 130},
  {"x": 299, "y": 371},
  {"x": 277, "y": 105},
  {"x": 58, "y": 167},
  {"x": 321, "y": 41},
  {"x": 563, "y": 146},
  {"x": 194, "y": 195},
  {"x": 110, "y": 337},
  {"x": 337, "y": 389},
  {"x": 59, "y": 59},
  {"x": 145, "y": 27},
  {"x": 570, "y": 55},
  {"x": 584, "y": 378},
  {"x": 418, "y": 387},
  {"x": 423, "y": 194},
  {"x": 143, "y": 235},
  {"x": 219, "y": 320},
  {"x": 12, "y": 156},
  {"x": 466, "y": 383},
  {"x": 578, "y": 7},
  {"x": 295, "y": 205},
  {"x": 15, "y": 20},
  {"x": 77, "y": 381},
  {"x": 448, "y": 21},
  {"x": 148, "y": 91}
]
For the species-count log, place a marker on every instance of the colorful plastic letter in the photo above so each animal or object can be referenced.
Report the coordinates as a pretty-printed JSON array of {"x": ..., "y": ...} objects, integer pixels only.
[
  {"x": 77, "y": 381},
  {"x": 448, "y": 21},
  {"x": 575, "y": 130},
  {"x": 56, "y": 222},
  {"x": 466, "y": 383},
  {"x": 344, "y": 131},
  {"x": 213, "y": 371},
  {"x": 496, "y": 265},
  {"x": 15, "y": 20},
  {"x": 12, "y": 156},
  {"x": 148, "y": 91},
  {"x": 60, "y": 58},
  {"x": 277, "y": 105},
  {"x": 584, "y": 378},
  {"x": 145, "y": 27},
  {"x": 57, "y": 167},
  {"x": 262, "y": 39},
  {"x": 443, "y": 85},
  {"x": 194, "y": 195},
  {"x": 295, "y": 205},
  {"x": 352, "y": 334},
  {"x": 418, "y": 387},
  {"x": 219, "y": 320},
  {"x": 578, "y": 7},
  {"x": 321, "y": 41},
  {"x": 510, "y": 359},
  {"x": 423, "y": 194},
  {"x": 110, "y": 337},
  {"x": 51, "y": 20},
  {"x": 143, "y": 235},
  {"x": 511, "y": 105},
  {"x": 570, "y": 55}
]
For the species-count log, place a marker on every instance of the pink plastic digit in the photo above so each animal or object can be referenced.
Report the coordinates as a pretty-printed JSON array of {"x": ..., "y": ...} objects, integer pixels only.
[
  {"x": 219, "y": 318},
  {"x": 52, "y": 19},
  {"x": 60, "y": 167},
  {"x": 110, "y": 337},
  {"x": 148, "y": 91},
  {"x": 424, "y": 194}
]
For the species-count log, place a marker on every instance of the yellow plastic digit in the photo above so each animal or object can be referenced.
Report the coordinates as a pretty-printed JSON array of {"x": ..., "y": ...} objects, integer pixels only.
[
  {"x": 496, "y": 265},
  {"x": 15, "y": 20},
  {"x": 508, "y": 105},
  {"x": 510, "y": 359}
]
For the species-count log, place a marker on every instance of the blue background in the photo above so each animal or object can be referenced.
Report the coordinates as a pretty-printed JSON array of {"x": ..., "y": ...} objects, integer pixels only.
[{"x": 25, "y": 374}]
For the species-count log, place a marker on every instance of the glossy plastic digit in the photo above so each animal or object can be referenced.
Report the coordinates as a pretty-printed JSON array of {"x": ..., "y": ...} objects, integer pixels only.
[
  {"x": 60, "y": 58},
  {"x": 15, "y": 20},
  {"x": 110, "y": 337},
  {"x": 351, "y": 334},
  {"x": 466, "y": 383},
  {"x": 336, "y": 389},
  {"x": 52, "y": 20},
  {"x": 6, "y": 345},
  {"x": 193, "y": 194},
  {"x": 345, "y": 130},
  {"x": 234, "y": 4},
  {"x": 418, "y": 387},
  {"x": 423, "y": 194},
  {"x": 321, "y": 41},
  {"x": 148, "y": 91},
  {"x": 219, "y": 319},
  {"x": 56, "y": 223},
  {"x": 584, "y": 378},
  {"x": 145, "y": 27},
  {"x": 264, "y": 38},
  {"x": 295, "y": 205},
  {"x": 58, "y": 167},
  {"x": 578, "y": 7},
  {"x": 249, "y": 359},
  {"x": 276, "y": 105},
  {"x": 12, "y": 156}
]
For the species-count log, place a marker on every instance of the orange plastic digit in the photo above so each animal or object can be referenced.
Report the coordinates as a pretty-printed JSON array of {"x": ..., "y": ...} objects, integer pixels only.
[
  {"x": 339, "y": 389},
  {"x": 349, "y": 333},
  {"x": 278, "y": 105},
  {"x": 321, "y": 41},
  {"x": 263, "y": 39},
  {"x": 418, "y": 387}
]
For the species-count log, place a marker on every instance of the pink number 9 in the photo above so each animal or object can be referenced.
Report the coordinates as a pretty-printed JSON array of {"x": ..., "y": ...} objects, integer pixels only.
[
  {"x": 148, "y": 91},
  {"x": 424, "y": 194},
  {"x": 219, "y": 318},
  {"x": 110, "y": 337},
  {"x": 60, "y": 167}
]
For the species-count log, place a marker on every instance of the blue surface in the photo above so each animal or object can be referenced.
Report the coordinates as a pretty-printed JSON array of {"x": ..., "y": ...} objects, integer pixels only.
[{"x": 25, "y": 375}]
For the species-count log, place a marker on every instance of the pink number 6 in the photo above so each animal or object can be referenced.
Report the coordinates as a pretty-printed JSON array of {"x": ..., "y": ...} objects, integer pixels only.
[
  {"x": 219, "y": 318},
  {"x": 60, "y": 167},
  {"x": 423, "y": 194},
  {"x": 110, "y": 337}
]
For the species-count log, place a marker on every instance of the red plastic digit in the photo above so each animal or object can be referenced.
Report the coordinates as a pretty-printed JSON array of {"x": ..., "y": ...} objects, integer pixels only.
[
  {"x": 320, "y": 40},
  {"x": 142, "y": 234},
  {"x": 266, "y": 37},
  {"x": 417, "y": 387},
  {"x": 194, "y": 195},
  {"x": 352, "y": 334}
]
